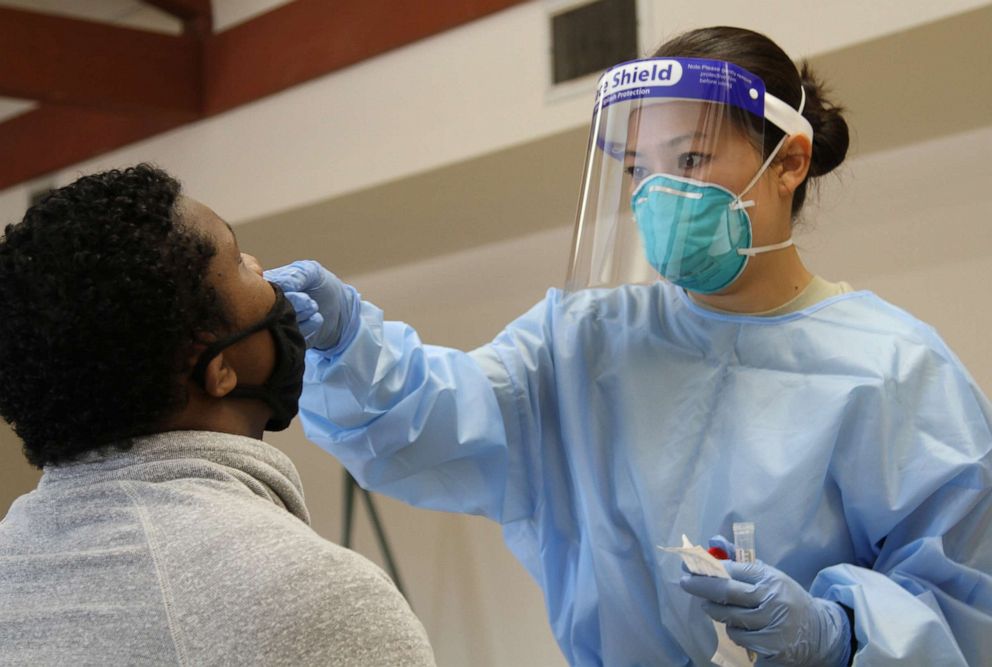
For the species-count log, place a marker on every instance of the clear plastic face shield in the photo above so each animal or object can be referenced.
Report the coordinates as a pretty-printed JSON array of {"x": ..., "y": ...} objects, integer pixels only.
[{"x": 675, "y": 148}]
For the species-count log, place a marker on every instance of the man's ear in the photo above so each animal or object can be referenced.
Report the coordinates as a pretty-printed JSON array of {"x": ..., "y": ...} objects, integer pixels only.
[
  {"x": 793, "y": 163},
  {"x": 219, "y": 377}
]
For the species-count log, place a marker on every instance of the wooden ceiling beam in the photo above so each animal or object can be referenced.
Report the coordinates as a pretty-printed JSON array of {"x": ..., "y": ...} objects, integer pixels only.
[
  {"x": 287, "y": 46},
  {"x": 197, "y": 15},
  {"x": 183, "y": 9},
  {"x": 64, "y": 61},
  {"x": 306, "y": 39},
  {"x": 52, "y": 137}
]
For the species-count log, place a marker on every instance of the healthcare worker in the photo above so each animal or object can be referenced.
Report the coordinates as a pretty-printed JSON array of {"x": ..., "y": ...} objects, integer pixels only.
[{"x": 625, "y": 411}]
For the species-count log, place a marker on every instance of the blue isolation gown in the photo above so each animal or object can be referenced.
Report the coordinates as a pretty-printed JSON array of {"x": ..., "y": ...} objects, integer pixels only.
[{"x": 604, "y": 423}]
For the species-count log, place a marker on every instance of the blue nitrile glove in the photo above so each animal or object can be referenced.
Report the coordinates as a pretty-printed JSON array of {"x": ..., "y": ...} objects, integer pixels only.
[
  {"x": 322, "y": 302},
  {"x": 768, "y": 612}
]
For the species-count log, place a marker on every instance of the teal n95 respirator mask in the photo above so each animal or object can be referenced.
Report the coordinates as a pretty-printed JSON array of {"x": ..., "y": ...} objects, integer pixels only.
[{"x": 671, "y": 141}]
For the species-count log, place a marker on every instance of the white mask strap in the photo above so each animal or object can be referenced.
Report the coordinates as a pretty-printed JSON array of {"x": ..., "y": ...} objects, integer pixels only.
[
  {"x": 751, "y": 252},
  {"x": 739, "y": 203}
]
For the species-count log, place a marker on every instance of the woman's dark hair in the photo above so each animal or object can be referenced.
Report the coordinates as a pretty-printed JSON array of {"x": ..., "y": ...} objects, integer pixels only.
[
  {"x": 102, "y": 290},
  {"x": 763, "y": 57}
]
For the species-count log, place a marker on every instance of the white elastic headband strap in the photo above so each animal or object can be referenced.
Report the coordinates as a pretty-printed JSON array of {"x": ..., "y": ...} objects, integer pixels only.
[
  {"x": 786, "y": 118},
  {"x": 789, "y": 121}
]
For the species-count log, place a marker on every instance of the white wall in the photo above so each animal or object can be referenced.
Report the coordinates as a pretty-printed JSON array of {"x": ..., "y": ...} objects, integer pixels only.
[
  {"x": 913, "y": 225},
  {"x": 806, "y": 27}
]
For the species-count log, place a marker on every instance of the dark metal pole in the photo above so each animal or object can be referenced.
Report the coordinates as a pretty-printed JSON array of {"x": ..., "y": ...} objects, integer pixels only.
[
  {"x": 380, "y": 534},
  {"x": 347, "y": 509},
  {"x": 348, "y": 513}
]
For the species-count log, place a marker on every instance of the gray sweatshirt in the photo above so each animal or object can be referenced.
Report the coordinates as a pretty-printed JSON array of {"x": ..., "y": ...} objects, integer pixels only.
[{"x": 193, "y": 548}]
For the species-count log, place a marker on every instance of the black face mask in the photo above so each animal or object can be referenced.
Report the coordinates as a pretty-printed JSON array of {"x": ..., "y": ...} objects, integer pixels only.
[{"x": 283, "y": 388}]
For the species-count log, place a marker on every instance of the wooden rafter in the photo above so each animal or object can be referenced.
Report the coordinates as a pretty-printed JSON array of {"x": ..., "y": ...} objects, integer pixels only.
[
  {"x": 103, "y": 87},
  {"x": 64, "y": 61},
  {"x": 305, "y": 39},
  {"x": 196, "y": 15},
  {"x": 52, "y": 137}
]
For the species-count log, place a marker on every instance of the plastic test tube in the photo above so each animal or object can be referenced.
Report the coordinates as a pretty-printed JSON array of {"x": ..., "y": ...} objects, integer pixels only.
[
  {"x": 744, "y": 542},
  {"x": 744, "y": 553}
]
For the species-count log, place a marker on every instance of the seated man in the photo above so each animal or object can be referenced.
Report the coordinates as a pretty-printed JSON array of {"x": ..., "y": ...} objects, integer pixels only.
[{"x": 141, "y": 357}]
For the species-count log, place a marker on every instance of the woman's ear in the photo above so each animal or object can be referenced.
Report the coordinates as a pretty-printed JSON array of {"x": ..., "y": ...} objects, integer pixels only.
[
  {"x": 793, "y": 163},
  {"x": 219, "y": 377}
]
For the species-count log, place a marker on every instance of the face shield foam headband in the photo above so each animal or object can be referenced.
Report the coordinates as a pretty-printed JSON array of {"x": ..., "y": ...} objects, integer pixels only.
[{"x": 662, "y": 139}]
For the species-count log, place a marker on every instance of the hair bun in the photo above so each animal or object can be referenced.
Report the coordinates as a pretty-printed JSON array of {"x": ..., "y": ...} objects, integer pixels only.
[{"x": 830, "y": 133}]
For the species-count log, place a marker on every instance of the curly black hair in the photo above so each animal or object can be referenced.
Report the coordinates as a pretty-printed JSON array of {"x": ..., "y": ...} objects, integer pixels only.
[{"x": 103, "y": 290}]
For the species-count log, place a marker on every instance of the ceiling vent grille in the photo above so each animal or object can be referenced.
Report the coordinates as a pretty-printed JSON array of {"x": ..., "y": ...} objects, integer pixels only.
[{"x": 592, "y": 37}]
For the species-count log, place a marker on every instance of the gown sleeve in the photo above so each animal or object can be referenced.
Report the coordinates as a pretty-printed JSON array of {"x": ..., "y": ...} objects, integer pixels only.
[
  {"x": 919, "y": 507},
  {"x": 432, "y": 426}
]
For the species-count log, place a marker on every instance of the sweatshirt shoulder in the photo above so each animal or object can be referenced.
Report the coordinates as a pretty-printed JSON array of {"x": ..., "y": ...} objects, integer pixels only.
[{"x": 256, "y": 582}]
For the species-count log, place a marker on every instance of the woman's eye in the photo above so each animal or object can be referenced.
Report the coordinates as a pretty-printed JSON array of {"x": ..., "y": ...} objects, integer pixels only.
[
  {"x": 637, "y": 173},
  {"x": 691, "y": 160}
]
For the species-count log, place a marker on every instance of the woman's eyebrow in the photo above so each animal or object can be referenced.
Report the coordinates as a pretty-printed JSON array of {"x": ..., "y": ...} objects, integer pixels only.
[{"x": 671, "y": 143}]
